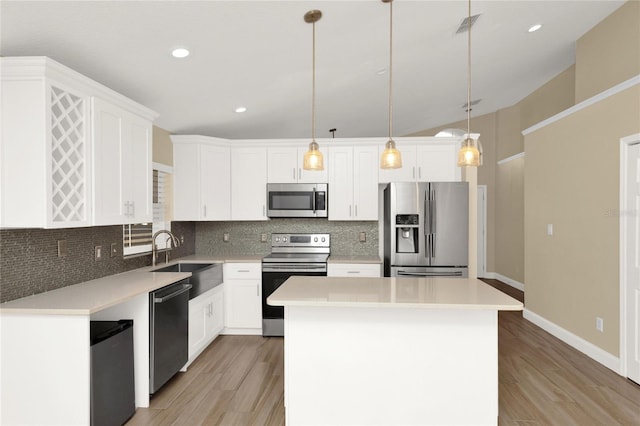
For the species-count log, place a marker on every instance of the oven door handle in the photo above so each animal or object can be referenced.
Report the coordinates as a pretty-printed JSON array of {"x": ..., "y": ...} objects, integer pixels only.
[{"x": 294, "y": 268}]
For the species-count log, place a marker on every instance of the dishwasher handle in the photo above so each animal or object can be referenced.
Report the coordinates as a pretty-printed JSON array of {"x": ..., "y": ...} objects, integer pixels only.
[{"x": 185, "y": 287}]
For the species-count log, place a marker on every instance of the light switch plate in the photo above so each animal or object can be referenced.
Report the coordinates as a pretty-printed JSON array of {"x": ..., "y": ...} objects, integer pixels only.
[
  {"x": 363, "y": 237},
  {"x": 550, "y": 229},
  {"x": 225, "y": 237},
  {"x": 114, "y": 249},
  {"x": 98, "y": 252},
  {"x": 263, "y": 238}
]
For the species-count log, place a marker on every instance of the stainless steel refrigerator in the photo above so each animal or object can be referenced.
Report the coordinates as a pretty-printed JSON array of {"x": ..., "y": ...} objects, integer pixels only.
[{"x": 426, "y": 229}]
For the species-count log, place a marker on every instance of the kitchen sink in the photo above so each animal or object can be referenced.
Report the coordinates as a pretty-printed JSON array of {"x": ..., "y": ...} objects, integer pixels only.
[{"x": 204, "y": 276}]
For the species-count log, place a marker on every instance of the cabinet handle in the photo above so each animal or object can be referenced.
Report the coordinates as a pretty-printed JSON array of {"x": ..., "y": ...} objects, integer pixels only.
[
  {"x": 419, "y": 172},
  {"x": 257, "y": 290},
  {"x": 294, "y": 173},
  {"x": 243, "y": 270},
  {"x": 264, "y": 210},
  {"x": 353, "y": 272},
  {"x": 133, "y": 209},
  {"x": 205, "y": 210},
  {"x": 349, "y": 210},
  {"x": 299, "y": 173},
  {"x": 414, "y": 172},
  {"x": 356, "y": 209}
]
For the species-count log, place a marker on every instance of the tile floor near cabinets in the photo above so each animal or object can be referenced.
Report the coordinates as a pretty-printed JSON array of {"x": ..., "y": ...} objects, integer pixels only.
[{"x": 238, "y": 380}]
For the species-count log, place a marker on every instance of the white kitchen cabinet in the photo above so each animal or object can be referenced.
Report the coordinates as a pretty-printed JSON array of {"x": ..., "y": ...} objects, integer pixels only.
[
  {"x": 424, "y": 162},
  {"x": 354, "y": 270},
  {"x": 243, "y": 298},
  {"x": 202, "y": 181},
  {"x": 206, "y": 320},
  {"x": 249, "y": 183},
  {"x": 45, "y": 151},
  {"x": 48, "y": 152},
  {"x": 353, "y": 183},
  {"x": 122, "y": 167},
  {"x": 285, "y": 166}
]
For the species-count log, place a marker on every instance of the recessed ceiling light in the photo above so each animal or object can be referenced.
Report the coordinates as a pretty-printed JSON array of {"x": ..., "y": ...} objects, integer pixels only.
[
  {"x": 241, "y": 109},
  {"x": 535, "y": 28},
  {"x": 180, "y": 52}
]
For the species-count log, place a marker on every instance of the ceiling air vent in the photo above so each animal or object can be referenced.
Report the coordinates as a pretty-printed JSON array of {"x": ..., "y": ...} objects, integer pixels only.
[
  {"x": 467, "y": 23},
  {"x": 474, "y": 102}
]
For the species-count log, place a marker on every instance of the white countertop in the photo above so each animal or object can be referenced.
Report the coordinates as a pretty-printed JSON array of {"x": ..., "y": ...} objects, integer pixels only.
[
  {"x": 426, "y": 293},
  {"x": 354, "y": 259},
  {"x": 92, "y": 296}
]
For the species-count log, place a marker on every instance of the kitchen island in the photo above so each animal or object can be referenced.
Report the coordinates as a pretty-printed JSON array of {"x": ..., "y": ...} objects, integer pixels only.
[{"x": 391, "y": 350}]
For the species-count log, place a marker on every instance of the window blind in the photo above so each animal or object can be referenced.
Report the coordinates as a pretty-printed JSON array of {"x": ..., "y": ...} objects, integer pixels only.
[{"x": 137, "y": 237}]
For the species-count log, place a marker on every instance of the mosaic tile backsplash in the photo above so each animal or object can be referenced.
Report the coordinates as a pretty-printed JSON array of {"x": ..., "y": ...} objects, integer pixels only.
[
  {"x": 29, "y": 262},
  {"x": 244, "y": 237}
]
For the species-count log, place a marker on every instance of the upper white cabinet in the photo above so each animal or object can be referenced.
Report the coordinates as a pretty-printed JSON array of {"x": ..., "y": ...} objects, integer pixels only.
[
  {"x": 45, "y": 150},
  {"x": 285, "y": 166},
  {"x": 123, "y": 188},
  {"x": 48, "y": 151},
  {"x": 249, "y": 183},
  {"x": 353, "y": 183},
  {"x": 424, "y": 162},
  {"x": 201, "y": 178}
]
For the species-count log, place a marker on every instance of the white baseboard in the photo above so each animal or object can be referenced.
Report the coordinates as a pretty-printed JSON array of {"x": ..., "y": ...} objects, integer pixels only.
[
  {"x": 603, "y": 357},
  {"x": 504, "y": 279}
]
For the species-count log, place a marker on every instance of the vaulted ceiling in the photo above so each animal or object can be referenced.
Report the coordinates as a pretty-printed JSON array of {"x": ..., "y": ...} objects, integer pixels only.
[{"x": 257, "y": 54}]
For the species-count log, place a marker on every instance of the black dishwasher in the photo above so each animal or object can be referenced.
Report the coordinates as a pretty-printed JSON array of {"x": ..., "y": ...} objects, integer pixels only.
[
  {"x": 112, "y": 379},
  {"x": 168, "y": 332}
]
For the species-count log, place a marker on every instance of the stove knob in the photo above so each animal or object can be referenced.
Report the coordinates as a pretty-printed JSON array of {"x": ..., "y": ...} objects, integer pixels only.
[
  {"x": 284, "y": 239},
  {"x": 315, "y": 239},
  {"x": 323, "y": 239},
  {"x": 277, "y": 239}
]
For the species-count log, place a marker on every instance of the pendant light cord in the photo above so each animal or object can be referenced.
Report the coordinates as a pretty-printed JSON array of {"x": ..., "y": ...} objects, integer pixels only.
[
  {"x": 469, "y": 74},
  {"x": 390, "y": 68},
  {"x": 313, "y": 88}
]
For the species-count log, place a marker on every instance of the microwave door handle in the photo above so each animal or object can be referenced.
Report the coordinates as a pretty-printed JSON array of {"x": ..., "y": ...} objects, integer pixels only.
[{"x": 313, "y": 201}]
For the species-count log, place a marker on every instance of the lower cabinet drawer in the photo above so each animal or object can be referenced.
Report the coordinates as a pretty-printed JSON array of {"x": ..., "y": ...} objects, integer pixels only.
[{"x": 354, "y": 270}]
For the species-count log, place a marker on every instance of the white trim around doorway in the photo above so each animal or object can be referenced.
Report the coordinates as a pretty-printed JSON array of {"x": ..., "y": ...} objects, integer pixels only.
[{"x": 625, "y": 144}]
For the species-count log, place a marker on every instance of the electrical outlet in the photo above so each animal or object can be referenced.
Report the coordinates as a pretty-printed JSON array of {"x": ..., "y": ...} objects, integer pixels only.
[
  {"x": 363, "y": 237},
  {"x": 263, "y": 238},
  {"x": 550, "y": 229},
  {"x": 114, "y": 249},
  {"x": 225, "y": 237},
  {"x": 98, "y": 252},
  {"x": 62, "y": 248},
  {"x": 599, "y": 324},
  {"x": 181, "y": 239}
]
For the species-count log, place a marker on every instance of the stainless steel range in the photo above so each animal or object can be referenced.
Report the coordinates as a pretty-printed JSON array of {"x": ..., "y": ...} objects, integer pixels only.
[{"x": 291, "y": 254}]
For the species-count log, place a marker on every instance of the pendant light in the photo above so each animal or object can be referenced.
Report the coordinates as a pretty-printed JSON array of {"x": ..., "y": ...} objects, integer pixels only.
[
  {"x": 469, "y": 155},
  {"x": 313, "y": 157},
  {"x": 391, "y": 158}
]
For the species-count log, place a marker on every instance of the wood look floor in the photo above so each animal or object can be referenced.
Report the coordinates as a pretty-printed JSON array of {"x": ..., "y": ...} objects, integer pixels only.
[{"x": 238, "y": 380}]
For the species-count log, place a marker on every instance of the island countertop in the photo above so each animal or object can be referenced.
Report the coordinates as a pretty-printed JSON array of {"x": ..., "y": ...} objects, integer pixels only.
[{"x": 424, "y": 293}]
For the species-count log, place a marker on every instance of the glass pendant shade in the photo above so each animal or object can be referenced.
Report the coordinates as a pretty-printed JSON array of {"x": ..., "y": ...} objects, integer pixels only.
[
  {"x": 391, "y": 158},
  {"x": 313, "y": 159},
  {"x": 468, "y": 154}
]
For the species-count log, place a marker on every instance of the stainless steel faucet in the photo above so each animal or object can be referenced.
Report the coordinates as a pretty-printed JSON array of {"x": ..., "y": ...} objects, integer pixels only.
[{"x": 154, "y": 248}]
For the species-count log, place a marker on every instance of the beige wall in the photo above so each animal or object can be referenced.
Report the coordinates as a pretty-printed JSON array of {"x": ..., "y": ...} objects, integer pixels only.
[
  {"x": 571, "y": 181},
  {"x": 509, "y": 235},
  {"x": 553, "y": 97},
  {"x": 162, "y": 147},
  {"x": 609, "y": 53}
]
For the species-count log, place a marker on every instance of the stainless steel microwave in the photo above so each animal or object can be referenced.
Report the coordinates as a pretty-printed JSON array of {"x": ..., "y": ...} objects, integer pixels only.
[{"x": 297, "y": 200}]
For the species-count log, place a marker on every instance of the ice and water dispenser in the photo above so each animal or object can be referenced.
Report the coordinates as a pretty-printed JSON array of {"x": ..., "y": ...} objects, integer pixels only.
[{"x": 407, "y": 233}]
